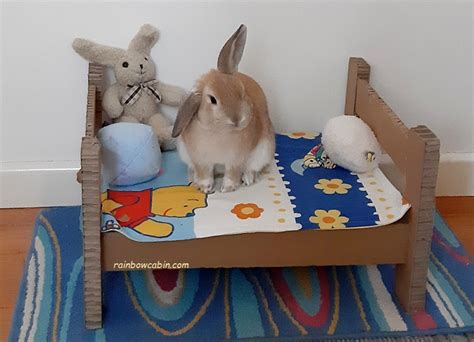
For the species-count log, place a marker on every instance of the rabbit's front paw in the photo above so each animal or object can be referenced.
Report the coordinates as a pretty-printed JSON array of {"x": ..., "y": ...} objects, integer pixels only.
[
  {"x": 229, "y": 185},
  {"x": 205, "y": 185},
  {"x": 249, "y": 177}
]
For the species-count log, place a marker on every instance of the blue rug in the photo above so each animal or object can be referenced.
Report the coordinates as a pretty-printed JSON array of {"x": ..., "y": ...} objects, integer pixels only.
[{"x": 215, "y": 304}]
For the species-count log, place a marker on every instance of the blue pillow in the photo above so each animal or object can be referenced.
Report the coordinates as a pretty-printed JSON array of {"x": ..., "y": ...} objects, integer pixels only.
[{"x": 130, "y": 153}]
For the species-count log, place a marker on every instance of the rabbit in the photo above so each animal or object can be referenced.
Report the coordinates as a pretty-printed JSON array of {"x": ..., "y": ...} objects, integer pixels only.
[
  {"x": 225, "y": 121},
  {"x": 136, "y": 95}
]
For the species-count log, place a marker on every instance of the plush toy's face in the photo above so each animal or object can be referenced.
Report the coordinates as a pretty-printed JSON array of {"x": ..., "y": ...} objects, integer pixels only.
[
  {"x": 134, "y": 67},
  {"x": 131, "y": 66}
]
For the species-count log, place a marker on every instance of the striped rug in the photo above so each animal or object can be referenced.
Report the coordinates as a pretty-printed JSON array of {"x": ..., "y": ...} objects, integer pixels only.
[{"x": 213, "y": 304}]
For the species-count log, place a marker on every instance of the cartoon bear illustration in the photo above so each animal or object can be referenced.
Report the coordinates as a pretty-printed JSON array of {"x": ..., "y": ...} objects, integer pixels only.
[{"x": 141, "y": 210}]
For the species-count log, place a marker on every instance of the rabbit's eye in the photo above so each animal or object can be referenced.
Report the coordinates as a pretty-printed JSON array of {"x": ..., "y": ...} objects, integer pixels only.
[
  {"x": 213, "y": 99},
  {"x": 146, "y": 59},
  {"x": 125, "y": 64}
]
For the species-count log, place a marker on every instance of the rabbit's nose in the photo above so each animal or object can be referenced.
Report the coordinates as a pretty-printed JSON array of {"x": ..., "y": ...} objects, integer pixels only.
[{"x": 141, "y": 66}]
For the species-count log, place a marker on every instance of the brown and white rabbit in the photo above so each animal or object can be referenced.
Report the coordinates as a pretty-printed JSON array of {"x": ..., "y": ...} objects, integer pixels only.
[{"x": 225, "y": 121}]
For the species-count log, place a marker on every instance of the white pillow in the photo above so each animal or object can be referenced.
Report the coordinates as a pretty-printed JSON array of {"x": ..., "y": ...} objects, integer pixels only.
[{"x": 350, "y": 143}]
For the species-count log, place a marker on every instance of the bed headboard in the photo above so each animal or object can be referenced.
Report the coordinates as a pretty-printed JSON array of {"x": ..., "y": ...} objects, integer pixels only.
[
  {"x": 362, "y": 100},
  {"x": 415, "y": 151},
  {"x": 89, "y": 177},
  {"x": 94, "y": 99}
]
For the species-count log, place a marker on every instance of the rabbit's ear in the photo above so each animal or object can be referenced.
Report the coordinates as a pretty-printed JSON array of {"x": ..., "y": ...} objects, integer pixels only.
[
  {"x": 231, "y": 53},
  {"x": 97, "y": 53},
  {"x": 144, "y": 40},
  {"x": 185, "y": 113}
]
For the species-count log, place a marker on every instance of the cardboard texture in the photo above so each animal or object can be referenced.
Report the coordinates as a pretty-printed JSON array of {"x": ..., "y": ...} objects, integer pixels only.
[{"x": 405, "y": 243}]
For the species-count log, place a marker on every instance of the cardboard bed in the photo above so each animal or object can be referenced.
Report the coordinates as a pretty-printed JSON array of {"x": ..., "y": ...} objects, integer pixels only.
[{"x": 295, "y": 216}]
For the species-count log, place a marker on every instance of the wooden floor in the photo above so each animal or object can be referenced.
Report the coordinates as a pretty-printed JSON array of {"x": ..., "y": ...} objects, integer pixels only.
[
  {"x": 16, "y": 227},
  {"x": 458, "y": 212}
]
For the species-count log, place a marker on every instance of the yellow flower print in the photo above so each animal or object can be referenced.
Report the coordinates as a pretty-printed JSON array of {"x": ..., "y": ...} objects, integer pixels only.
[
  {"x": 331, "y": 219},
  {"x": 299, "y": 135},
  {"x": 332, "y": 186}
]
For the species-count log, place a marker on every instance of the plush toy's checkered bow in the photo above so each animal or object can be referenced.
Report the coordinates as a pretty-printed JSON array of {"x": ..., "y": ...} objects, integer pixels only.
[{"x": 135, "y": 91}]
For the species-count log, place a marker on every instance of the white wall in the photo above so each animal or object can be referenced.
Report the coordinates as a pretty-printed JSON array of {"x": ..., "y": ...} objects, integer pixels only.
[{"x": 420, "y": 53}]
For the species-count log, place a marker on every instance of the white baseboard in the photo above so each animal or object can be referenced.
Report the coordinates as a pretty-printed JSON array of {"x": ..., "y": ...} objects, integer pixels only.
[
  {"x": 455, "y": 174},
  {"x": 39, "y": 184},
  {"x": 45, "y": 184}
]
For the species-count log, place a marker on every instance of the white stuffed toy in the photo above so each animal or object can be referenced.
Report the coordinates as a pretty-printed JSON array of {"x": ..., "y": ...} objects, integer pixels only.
[
  {"x": 350, "y": 143},
  {"x": 136, "y": 95}
]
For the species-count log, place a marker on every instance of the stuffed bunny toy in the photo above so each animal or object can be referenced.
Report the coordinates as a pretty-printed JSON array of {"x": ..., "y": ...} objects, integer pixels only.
[
  {"x": 225, "y": 121},
  {"x": 136, "y": 95}
]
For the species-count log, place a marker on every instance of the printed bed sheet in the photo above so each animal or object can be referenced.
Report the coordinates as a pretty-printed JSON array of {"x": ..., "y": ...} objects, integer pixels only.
[{"x": 301, "y": 189}]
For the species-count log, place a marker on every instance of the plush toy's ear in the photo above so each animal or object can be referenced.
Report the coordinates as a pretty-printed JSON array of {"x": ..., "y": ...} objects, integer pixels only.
[
  {"x": 97, "y": 53},
  {"x": 231, "y": 53},
  {"x": 144, "y": 40},
  {"x": 185, "y": 113}
]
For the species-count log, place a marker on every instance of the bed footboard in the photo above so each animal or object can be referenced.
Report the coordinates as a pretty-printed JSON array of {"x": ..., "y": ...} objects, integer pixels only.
[{"x": 415, "y": 153}]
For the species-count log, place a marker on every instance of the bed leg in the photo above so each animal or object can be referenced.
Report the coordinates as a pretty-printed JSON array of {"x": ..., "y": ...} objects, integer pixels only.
[
  {"x": 421, "y": 175},
  {"x": 91, "y": 216},
  {"x": 92, "y": 297}
]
